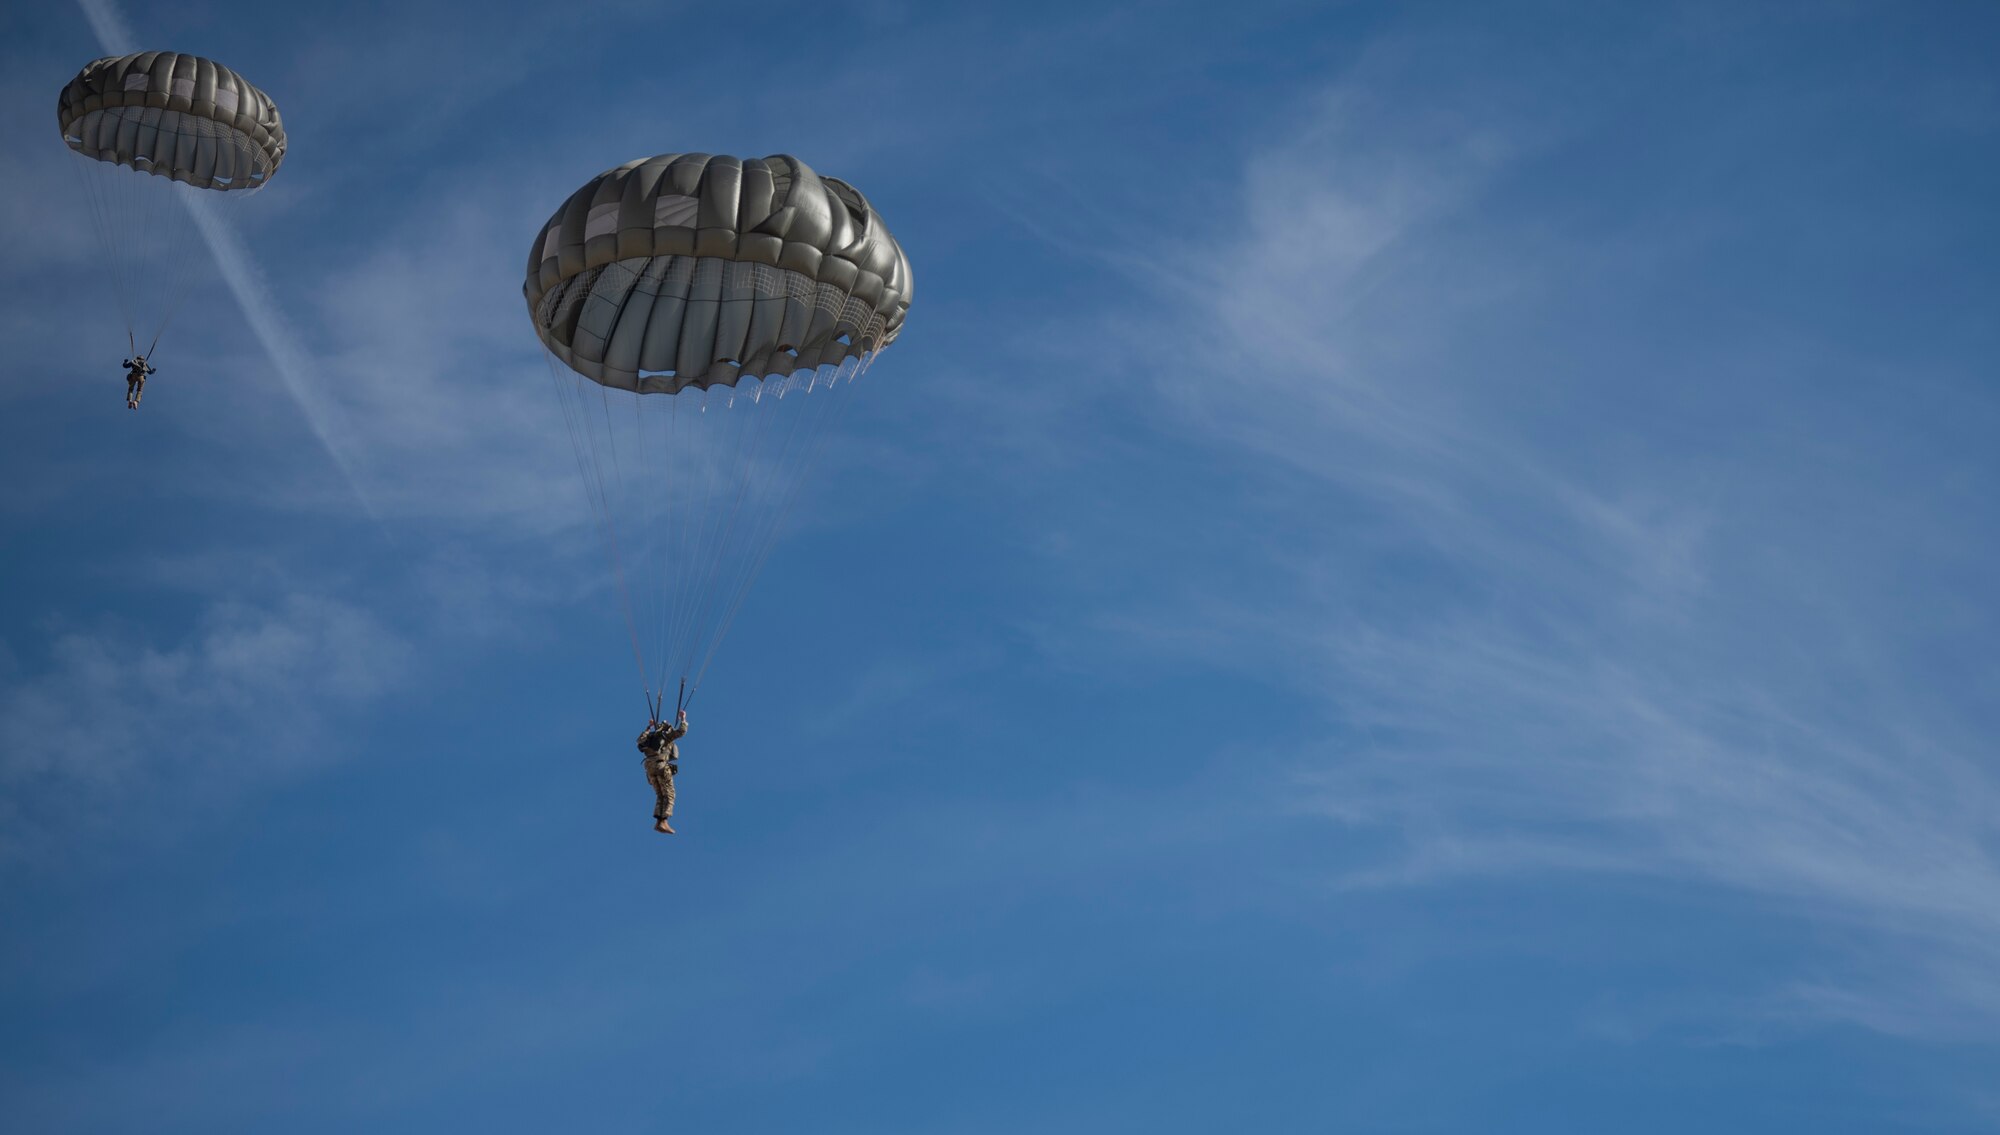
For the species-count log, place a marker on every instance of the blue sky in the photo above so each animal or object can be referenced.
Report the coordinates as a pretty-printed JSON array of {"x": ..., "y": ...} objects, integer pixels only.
[{"x": 1416, "y": 568}]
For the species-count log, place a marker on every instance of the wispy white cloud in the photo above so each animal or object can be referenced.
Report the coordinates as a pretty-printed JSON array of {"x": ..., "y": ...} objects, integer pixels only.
[
  {"x": 1551, "y": 637},
  {"x": 111, "y": 729},
  {"x": 108, "y": 24}
]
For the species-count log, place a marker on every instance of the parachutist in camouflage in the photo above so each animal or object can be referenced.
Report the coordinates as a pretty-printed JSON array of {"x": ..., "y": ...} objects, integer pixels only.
[
  {"x": 662, "y": 762},
  {"x": 136, "y": 370}
]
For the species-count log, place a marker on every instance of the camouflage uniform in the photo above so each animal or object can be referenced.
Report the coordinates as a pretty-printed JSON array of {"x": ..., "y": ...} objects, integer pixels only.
[
  {"x": 135, "y": 381},
  {"x": 662, "y": 761}
]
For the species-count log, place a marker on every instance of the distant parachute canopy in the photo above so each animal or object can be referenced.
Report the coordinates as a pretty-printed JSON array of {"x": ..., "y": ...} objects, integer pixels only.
[
  {"x": 162, "y": 138},
  {"x": 702, "y": 316},
  {"x": 173, "y": 115}
]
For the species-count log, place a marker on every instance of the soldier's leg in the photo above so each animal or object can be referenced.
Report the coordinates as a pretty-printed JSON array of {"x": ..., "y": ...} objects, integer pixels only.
[
  {"x": 662, "y": 789},
  {"x": 663, "y": 803}
]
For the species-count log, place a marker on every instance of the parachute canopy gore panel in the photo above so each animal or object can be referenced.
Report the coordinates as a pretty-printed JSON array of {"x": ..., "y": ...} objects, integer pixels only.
[
  {"x": 173, "y": 115},
  {"x": 698, "y": 270}
]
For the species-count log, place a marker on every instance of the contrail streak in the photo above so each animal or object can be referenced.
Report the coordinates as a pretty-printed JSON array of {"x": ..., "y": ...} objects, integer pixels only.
[{"x": 245, "y": 281}]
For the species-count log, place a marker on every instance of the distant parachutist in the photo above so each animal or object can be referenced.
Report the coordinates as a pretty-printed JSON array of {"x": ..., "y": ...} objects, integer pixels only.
[
  {"x": 136, "y": 370},
  {"x": 662, "y": 761},
  {"x": 154, "y": 131}
]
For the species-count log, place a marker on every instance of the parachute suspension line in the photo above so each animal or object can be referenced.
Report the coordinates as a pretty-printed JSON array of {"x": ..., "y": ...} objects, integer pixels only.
[
  {"x": 745, "y": 469},
  {"x": 611, "y": 526},
  {"x": 150, "y": 224},
  {"x": 692, "y": 496},
  {"x": 177, "y": 270},
  {"x": 771, "y": 478},
  {"x": 182, "y": 286},
  {"x": 646, "y": 612},
  {"x": 591, "y": 471},
  {"x": 722, "y": 433},
  {"x": 727, "y": 431},
  {"x": 679, "y": 516},
  {"x": 185, "y": 251},
  {"x": 671, "y": 504},
  {"x": 710, "y": 500},
  {"x": 792, "y": 486},
  {"x": 790, "y": 483},
  {"x": 712, "y": 492},
  {"x": 653, "y": 492},
  {"x": 834, "y": 406},
  {"x": 669, "y": 482},
  {"x": 691, "y": 522},
  {"x": 687, "y": 526},
  {"x": 739, "y": 438},
  {"x": 182, "y": 212},
  {"x": 104, "y": 220},
  {"x": 141, "y": 238},
  {"x": 737, "y": 348}
]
